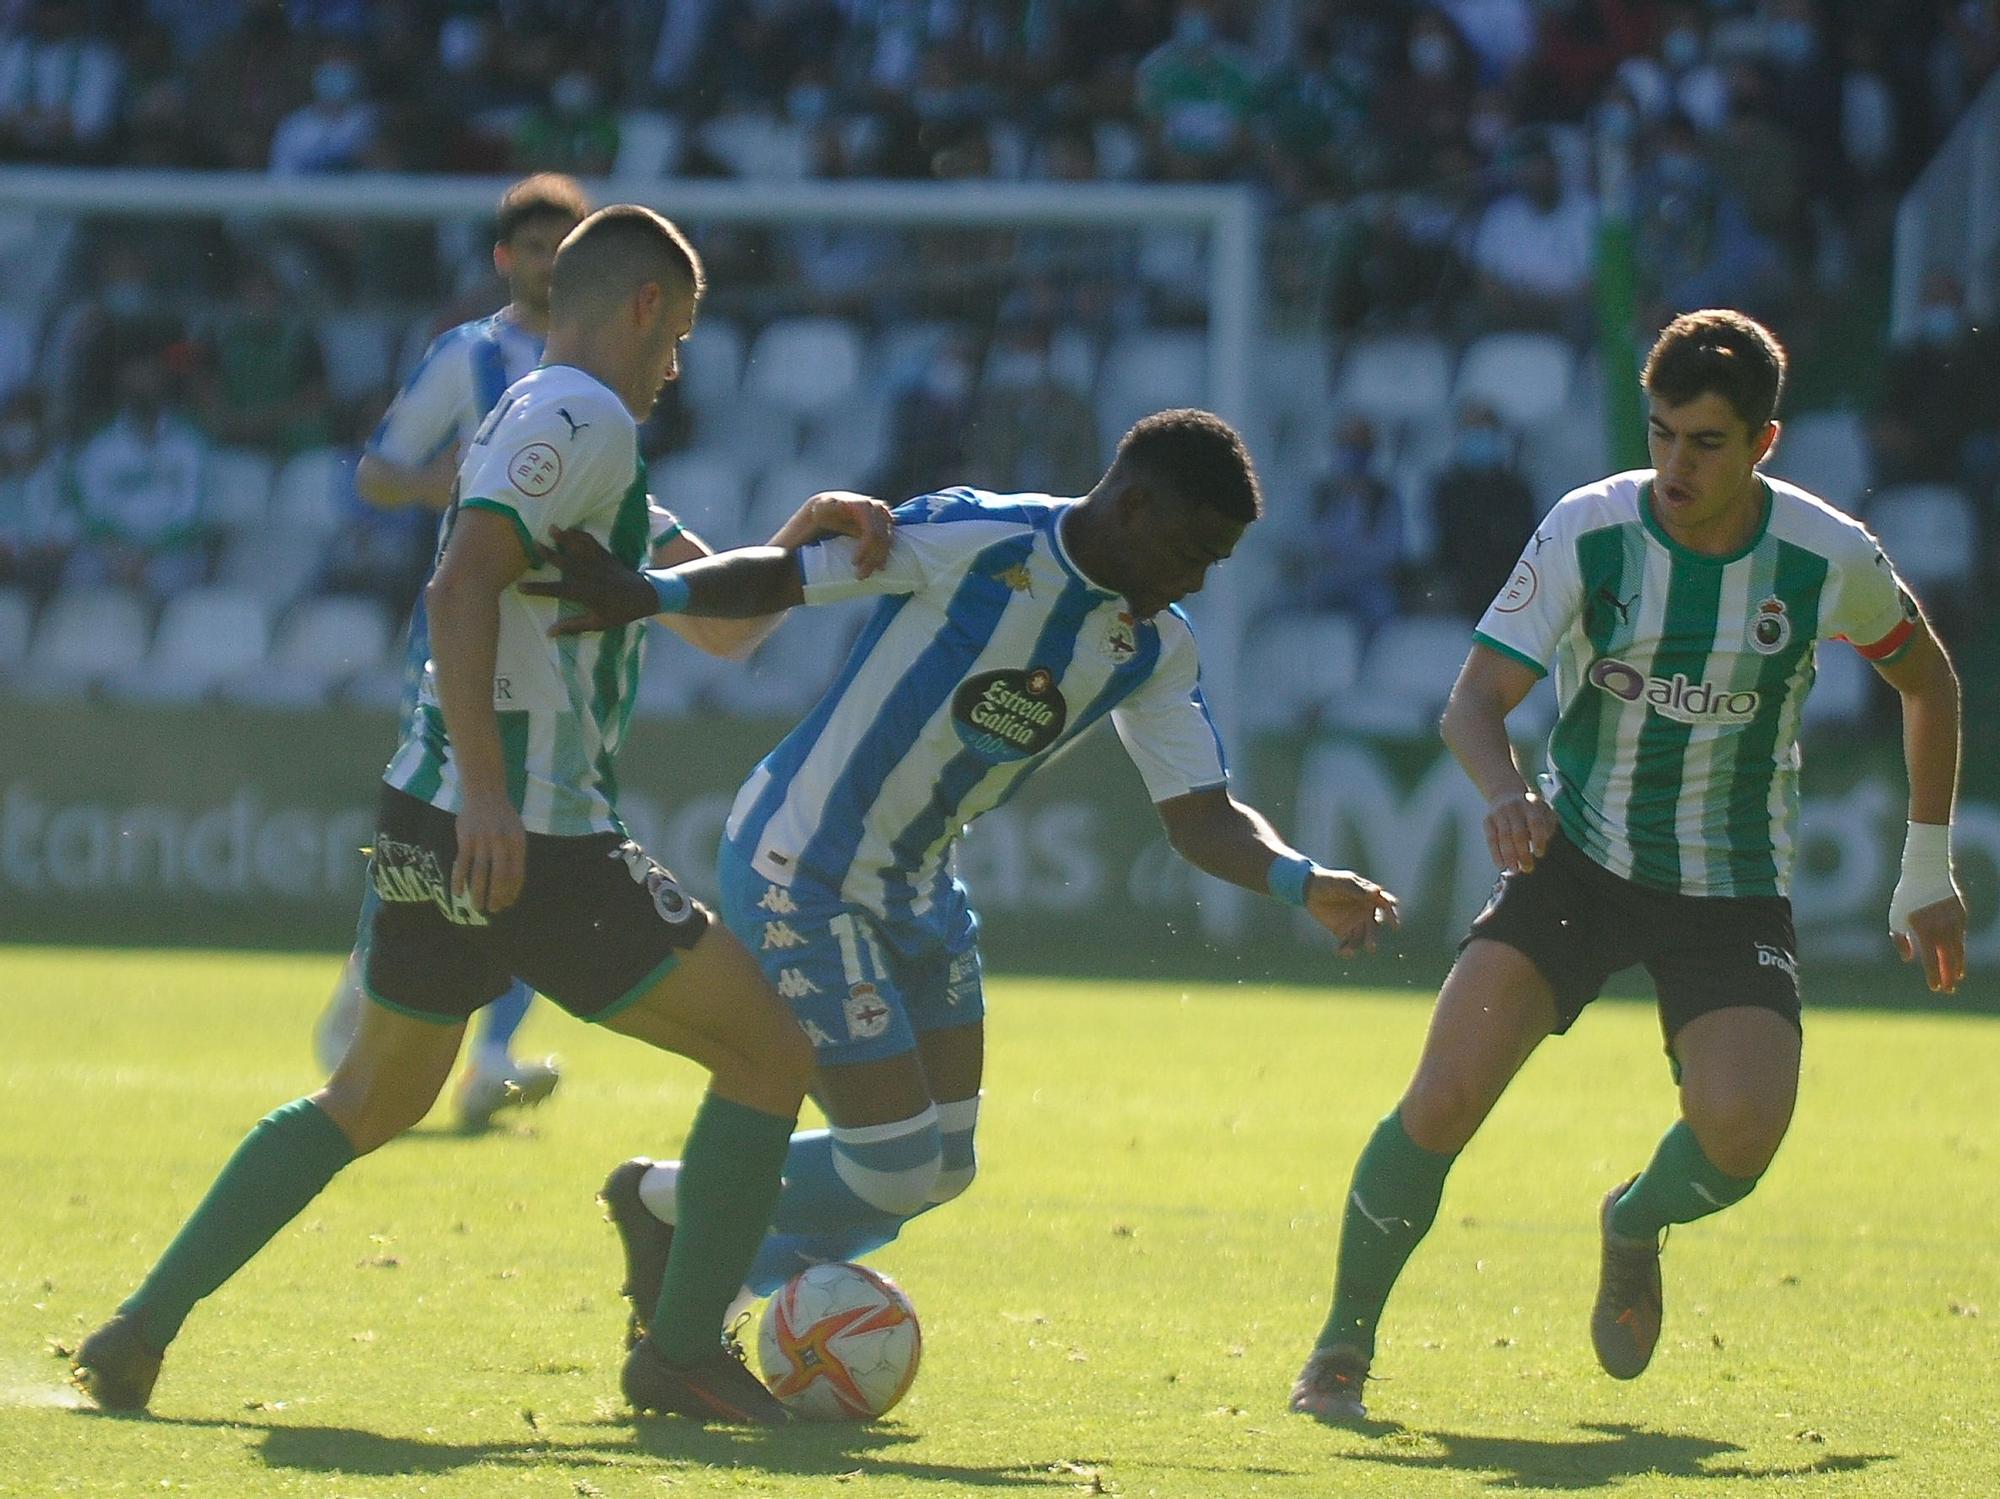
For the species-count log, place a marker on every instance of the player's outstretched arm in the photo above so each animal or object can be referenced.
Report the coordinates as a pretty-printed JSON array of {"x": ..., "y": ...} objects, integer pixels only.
[
  {"x": 1519, "y": 823},
  {"x": 1220, "y": 836},
  {"x": 391, "y": 486},
  {"x": 1927, "y": 913},
  {"x": 742, "y": 584}
]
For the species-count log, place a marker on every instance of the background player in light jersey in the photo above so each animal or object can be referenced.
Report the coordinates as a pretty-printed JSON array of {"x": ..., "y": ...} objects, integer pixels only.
[
  {"x": 499, "y": 853},
  {"x": 412, "y": 459},
  {"x": 1008, "y": 626},
  {"x": 1682, "y": 606}
]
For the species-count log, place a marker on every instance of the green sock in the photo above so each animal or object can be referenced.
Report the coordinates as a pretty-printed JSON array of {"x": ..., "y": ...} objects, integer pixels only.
[
  {"x": 731, "y": 1169},
  {"x": 1679, "y": 1185},
  {"x": 1390, "y": 1207},
  {"x": 282, "y": 1165}
]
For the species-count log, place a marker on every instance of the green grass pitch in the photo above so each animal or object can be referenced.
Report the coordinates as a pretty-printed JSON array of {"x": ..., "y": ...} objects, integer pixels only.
[{"x": 1117, "y": 1307}]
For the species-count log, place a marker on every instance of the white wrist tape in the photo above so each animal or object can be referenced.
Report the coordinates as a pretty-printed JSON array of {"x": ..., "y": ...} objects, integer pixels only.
[{"x": 1926, "y": 877}]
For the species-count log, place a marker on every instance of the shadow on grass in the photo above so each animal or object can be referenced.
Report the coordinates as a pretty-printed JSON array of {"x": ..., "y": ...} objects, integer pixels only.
[
  {"x": 821, "y": 1450},
  {"x": 1612, "y": 1453}
]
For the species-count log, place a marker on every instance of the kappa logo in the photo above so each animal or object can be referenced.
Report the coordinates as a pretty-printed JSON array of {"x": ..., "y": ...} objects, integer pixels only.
[
  {"x": 1770, "y": 628},
  {"x": 814, "y": 1034},
  {"x": 962, "y": 980},
  {"x": 670, "y": 902},
  {"x": 867, "y": 1016},
  {"x": 793, "y": 984},
  {"x": 778, "y": 901},
  {"x": 408, "y": 874},
  {"x": 1776, "y": 957},
  {"x": 1694, "y": 703},
  {"x": 781, "y": 936}
]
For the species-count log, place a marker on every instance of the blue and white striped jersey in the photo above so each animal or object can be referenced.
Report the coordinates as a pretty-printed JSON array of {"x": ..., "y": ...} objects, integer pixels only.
[
  {"x": 460, "y": 378},
  {"x": 989, "y": 654}
]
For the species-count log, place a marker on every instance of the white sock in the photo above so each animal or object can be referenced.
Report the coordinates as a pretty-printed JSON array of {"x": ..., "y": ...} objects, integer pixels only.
[{"x": 657, "y": 1188}]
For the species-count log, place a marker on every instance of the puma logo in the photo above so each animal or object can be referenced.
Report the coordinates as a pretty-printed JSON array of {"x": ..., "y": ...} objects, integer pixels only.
[
  {"x": 1623, "y": 606},
  {"x": 575, "y": 426},
  {"x": 1707, "y": 1196},
  {"x": 1382, "y": 1225}
]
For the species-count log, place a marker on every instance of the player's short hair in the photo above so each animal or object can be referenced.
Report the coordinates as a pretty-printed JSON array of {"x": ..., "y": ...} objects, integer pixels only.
[
  {"x": 617, "y": 250},
  {"x": 1194, "y": 456},
  {"x": 546, "y": 195},
  {"x": 1720, "y": 352}
]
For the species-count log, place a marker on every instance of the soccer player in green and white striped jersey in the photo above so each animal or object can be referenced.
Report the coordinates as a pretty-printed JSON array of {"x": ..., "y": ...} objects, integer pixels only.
[{"x": 1681, "y": 607}]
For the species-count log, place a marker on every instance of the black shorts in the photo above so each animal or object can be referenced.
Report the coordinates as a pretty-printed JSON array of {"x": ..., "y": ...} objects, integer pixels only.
[
  {"x": 597, "y": 921},
  {"x": 1579, "y": 923}
]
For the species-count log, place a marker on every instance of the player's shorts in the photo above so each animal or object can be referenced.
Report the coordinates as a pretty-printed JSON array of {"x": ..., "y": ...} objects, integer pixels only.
[
  {"x": 1579, "y": 923},
  {"x": 861, "y": 988},
  {"x": 596, "y": 925}
]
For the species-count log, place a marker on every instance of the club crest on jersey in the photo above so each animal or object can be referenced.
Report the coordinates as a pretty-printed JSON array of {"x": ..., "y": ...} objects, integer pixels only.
[
  {"x": 535, "y": 469},
  {"x": 1009, "y": 715},
  {"x": 1017, "y": 578},
  {"x": 1770, "y": 627},
  {"x": 867, "y": 1016},
  {"x": 1114, "y": 635},
  {"x": 1675, "y": 697}
]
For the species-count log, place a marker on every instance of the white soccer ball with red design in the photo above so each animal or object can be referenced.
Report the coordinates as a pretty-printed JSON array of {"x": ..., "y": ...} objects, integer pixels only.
[{"x": 839, "y": 1343}]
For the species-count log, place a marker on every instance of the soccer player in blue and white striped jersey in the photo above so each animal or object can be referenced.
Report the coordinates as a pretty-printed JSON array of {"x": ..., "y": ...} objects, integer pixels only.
[
  {"x": 1007, "y": 627},
  {"x": 412, "y": 459}
]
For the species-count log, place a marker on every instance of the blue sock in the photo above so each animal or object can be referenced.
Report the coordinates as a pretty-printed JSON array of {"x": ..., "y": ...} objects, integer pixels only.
[{"x": 500, "y": 1019}]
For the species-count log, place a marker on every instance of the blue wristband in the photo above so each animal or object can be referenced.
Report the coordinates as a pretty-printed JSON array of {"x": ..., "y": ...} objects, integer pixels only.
[
  {"x": 1287, "y": 879},
  {"x": 672, "y": 592}
]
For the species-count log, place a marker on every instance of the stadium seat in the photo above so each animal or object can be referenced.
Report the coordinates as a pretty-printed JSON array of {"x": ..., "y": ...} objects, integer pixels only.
[
  {"x": 17, "y": 617},
  {"x": 791, "y": 669},
  {"x": 711, "y": 364},
  {"x": 1929, "y": 532},
  {"x": 205, "y": 635},
  {"x": 309, "y": 494},
  {"x": 903, "y": 350},
  {"x": 1406, "y": 674},
  {"x": 803, "y": 364},
  {"x": 323, "y": 642},
  {"x": 237, "y": 487},
  {"x": 1842, "y": 689},
  {"x": 359, "y": 349},
  {"x": 1522, "y": 376},
  {"x": 1146, "y": 371},
  {"x": 1825, "y": 452},
  {"x": 753, "y": 431},
  {"x": 84, "y": 635},
  {"x": 757, "y": 146},
  {"x": 707, "y": 490},
  {"x": 1395, "y": 379},
  {"x": 783, "y": 489},
  {"x": 1563, "y": 452},
  {"x": 650, "y": 144},
  {"x": 1305, "y": 661},
  {"x": 850, "y": 437}
]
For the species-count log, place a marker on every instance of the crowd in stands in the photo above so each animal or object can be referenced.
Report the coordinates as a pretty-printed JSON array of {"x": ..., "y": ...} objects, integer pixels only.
[{"x": 1434, "y": 172}]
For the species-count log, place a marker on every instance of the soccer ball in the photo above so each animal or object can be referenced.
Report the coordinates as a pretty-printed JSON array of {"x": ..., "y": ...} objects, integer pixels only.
[{"x": 839, "y": 1343}]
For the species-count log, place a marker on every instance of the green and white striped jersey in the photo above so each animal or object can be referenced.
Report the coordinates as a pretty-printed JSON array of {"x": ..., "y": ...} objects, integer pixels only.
[
  {"x": 1675, "y": 761},
  {"x": 558, "y": 450}
]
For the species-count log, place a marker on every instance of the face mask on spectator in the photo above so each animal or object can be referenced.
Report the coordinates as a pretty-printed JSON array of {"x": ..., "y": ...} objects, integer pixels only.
[
  {"x": 1680, "y": 49},
  {"x": 949, "y": 381},
  {"x": 1682, "y": 171},
  {"x": 17, "y": 440},
  {"x": 1940, "y": 323},
  {"x": 574, "y": 93},
  {"x": 461, "y": 44},
  {"x": 1619, "y": 120},
  {"x": 1481, "y": 447},
  {"x": 125, "y": 298},
  {"x": 809, "y": 103},
  {"x": 336, "y": 82},
  {"x": 1790, "y": 42},
  {"x": 1194, "y": 28},
  {"x": 1430, "y": 55}
]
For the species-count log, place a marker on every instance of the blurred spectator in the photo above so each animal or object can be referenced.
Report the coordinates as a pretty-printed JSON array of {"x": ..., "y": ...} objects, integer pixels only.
[
  {"x": 1351, "y": 548},
  {"x": 124, "y": 317},
  {"x": 37, "y": 525},
  {"x": 246, "y": 84},
  {"x": 334, "y": 132},
  {"x": 59, "y": 86},
  {"x": 1582, "y": 42},
  {"x": 382, "y": 553},
  {"x": 1696, "y": 244},
  {"x": 1501, "y": 34},
  {"x": 1482, "y": 511},
  {"x": 929, "y": 412},
  {"x": 1031, "y": 433},
  {"x": 263, "y": 378},
  {"x": 1534, "y": 249},
  {"x": 1194, "y": 93},
  {"x": 1940, "y": 410},
  {"x": 1425, "y": 108},
  {"x": 138, "y": 491},
  {"x": 1313, "y": 134},
  {"x": 575, "y": 131}
]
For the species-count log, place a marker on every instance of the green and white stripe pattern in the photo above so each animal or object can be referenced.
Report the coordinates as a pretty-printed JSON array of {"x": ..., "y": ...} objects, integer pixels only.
[{"x": 1675, "y": 762}]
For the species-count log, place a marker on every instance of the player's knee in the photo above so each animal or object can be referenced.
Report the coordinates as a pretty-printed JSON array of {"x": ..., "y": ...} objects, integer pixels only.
[
  {"x": 891, "y": 1167},
  {"x": 371, "y": 1120},
  {"x": 1738, "y": 1131},
  {"x": 1441, "y": 1111}
]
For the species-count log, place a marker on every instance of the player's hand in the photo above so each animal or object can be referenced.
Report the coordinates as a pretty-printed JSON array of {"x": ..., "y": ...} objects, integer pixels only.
[
  {"x": 606, "y": 592},
  {"x": 1939, "y": 932},
  {"x": 1354, "y": 909},
  {"x": 841, "y": 512},
  {"x": 492, "y": 854},
  {"x": 1519, "y": 828}
]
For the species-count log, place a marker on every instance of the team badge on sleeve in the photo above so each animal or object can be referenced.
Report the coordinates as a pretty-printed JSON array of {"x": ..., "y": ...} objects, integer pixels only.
[
  {"x": 1520, "y": 590},
  {"x": 535, "y": 469}
]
